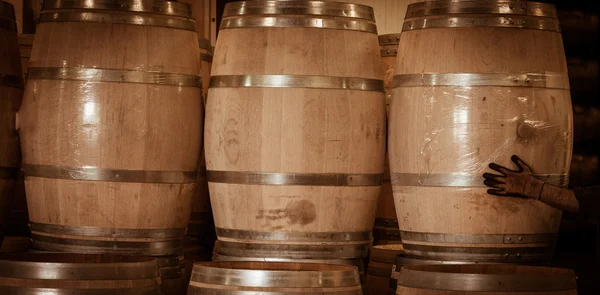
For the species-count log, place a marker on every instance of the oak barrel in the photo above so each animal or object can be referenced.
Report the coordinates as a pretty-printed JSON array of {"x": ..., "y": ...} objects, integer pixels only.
[
  {"x": 580, "y": 30},
  {"x": 295, "y": 130},
  {"x": 273, "y": 277},
  {"x": 118, "y": 175},
  {"x": 171, "y": 270},
  {"x": 379, "y": 270},
  {"x": 11, "y": 90},
  {"x": 25, "y": 45},
  {"x": 55, "y": 273},
  {"x": 584, "y": 171},
  {"x": 584, "y": 78},
  {"x": 492, "y": 279},
  {"x": 15, "y": 244},
  {"x": 459, "y": 103}
]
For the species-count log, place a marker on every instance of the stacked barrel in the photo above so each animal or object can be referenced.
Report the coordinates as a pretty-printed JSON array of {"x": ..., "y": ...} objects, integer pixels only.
[{"x": 295, "y": 131}]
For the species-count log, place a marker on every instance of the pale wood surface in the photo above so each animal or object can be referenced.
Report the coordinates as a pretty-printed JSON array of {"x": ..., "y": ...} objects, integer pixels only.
[
  {"x": 462, "y": 129},
  {"x": 112, "y": 125},
  {"x": 295, "y": 130}
]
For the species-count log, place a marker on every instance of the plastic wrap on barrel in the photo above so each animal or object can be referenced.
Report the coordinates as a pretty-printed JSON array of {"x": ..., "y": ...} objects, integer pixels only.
[{"x": 461, "y": 129}]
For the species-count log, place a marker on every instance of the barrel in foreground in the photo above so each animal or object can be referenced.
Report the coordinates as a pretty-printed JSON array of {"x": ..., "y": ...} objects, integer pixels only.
[
  {"x": 273, "y": 277},
  {"x": 117, "y": 176},
  {"x": 476, "y": 82},
  {"x": 295, "y": 130}
]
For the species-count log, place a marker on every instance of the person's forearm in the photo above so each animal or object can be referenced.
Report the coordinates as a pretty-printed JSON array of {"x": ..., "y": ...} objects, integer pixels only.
[{"x": 559, "y": 198}]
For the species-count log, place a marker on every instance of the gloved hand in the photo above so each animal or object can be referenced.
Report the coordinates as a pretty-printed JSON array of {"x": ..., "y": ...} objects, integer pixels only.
[{"x": 514, "y": 183}]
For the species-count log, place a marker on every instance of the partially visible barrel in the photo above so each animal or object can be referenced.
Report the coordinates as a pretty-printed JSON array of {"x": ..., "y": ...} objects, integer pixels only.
[
  {"x": 118, "y": 175},
  {"x": 586, "y": 128},
  {"x": 458, "y": 104},
  {"x": 584, "y": 79},
  {"x": 57, "y": 273},
  {"x": 584, "y": 171},
  {"x": 11, "y": 90},
  {"x": 171, "y": 269},
  {"x": 15, "y": 244},
  {"x": 496, "y": 279},
  {"x": 273, "y": 277},
  {"x": 580, "y": 30},
  {"x": 25, "y": 45},
  {"x": 206, "y": 57},
  {"x": 379, "y": 270},
  {"x": 295, "y": 130}
]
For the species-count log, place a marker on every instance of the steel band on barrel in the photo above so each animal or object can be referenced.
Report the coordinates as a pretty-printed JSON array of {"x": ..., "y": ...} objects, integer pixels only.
[
  {"x": 91, "y": 231},
  {"x": 7, "y": 11},
  {"x": 153, "y": 248},
  {"x": 205, "y": 44},
  {"x": 8, "y": 172},
  {"x": 296, "y": 81},
  {"x": 89, "y": 173},
  {"x": 479, "y": 254},
  {"x": 126, "y": 19},
  {"x": 436, "y": 8},
  {"x": 386, "y": 222},
  {"x": 473, "y": 22},
  {"x": 292, "y": 251},
  {"x": 11, "y": 81},
  {"x": 538, "y": 80},
  {"x": 6, "y": 290},
  {"x": 408, "y": 236},
  {"x": 196, "y": 290},
  {"x": 206, "y": 57},
  {"x": 419, "y": 277},
  {"x": 461, "y": 180},
  {"x": 7, "y": 24},
  {"x": 298, "y": 22},
  {"x": 111, "y": 75},
  {"x": 323, "y": 8},
  {"x": 289, "y": 275},
  {"x": 386, "y": 234},
  {"x": 308, "y": 179},
  {"x": 324, "y": 237},
  {"x": 167, "y": 8},
  {"x": 389, "y": 39}
]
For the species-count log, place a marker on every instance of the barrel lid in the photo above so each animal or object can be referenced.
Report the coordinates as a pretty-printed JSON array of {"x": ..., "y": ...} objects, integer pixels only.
[
  {"x": 275, "y": 274},
  {"x": 487, "y": 278},
  {"x": 296, "y": 7},
  {"x": 499, "y": 7},
  {"x": 7, "y": 10},
  {"x": 69, "y": 266},
  {"x": 170, "y": 8}
]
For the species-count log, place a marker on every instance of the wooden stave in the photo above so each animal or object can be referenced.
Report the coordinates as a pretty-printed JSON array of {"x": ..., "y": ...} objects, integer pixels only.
[
  {"x": 181, "y": 197},
  {"x": 508, "y": 257},
  {"x": 72, "y": 273},
  {"x": 215, "y": 188},
  {"x": 507, "y": 279},
  {"x": 280, "y": 277}
]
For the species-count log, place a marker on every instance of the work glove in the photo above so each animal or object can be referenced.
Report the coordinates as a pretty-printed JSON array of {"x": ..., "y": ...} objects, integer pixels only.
[{"x": 513, "y": 183}]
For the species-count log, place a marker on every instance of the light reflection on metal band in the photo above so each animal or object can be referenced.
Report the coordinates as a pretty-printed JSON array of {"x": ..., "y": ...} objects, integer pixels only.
[
  {"x": 168, "y": 8},
  {"x": 308, "y": 179},
  {"x": 324, "y": 237},
  {"x": 9, "y": 172},
  {"x": 480, "y": 254},
  {"x": 11, "y": 81},
  {"x": 296, "y": 81},
  {"x": 193, "y": 290},
  {"x": 275, "y": 275},
  {"x": 537, "y": 80},
  {"x": 111, "y": 75},
  {"x": 92, "y": 231},
  {"x": 9, "y": 25},
  {"x": 6, "y": 290},
  {"x": 434, "y": 8},
  {"x": 549, "y": 239},
  {"x": 89, "y": 173},
  {"x": 474, "y": 22},
  {"x": 461, "y": 180},
  {"x": 322, "y": 8},
  {"x": 482, "y": 279},
  {"x": 126, "y": 19},
  {"x": 298, "y": 22}
]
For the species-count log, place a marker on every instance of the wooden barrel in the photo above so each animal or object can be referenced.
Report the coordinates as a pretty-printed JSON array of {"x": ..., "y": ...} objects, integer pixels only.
[
  {"x": 171, "y": 269},
  {"x": 78, "y": 274},
  {"x": 25, "y": 45},
  {"x": 118, "y": 175},
  {"x": 584, "y": 79},
  {"x": 459, "y": 103},
  {"x": 15, "y": 244},
  {"x": 580, "y": 31},
  {"x": 11, "y": 88},
  {"x": 586, "y": 128},
  {"x": 225, "y": 277},
  {"x": 380, "y": 268},
  {"x": 496, "y": 279},
  {"x": 295, "y": 130}
]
